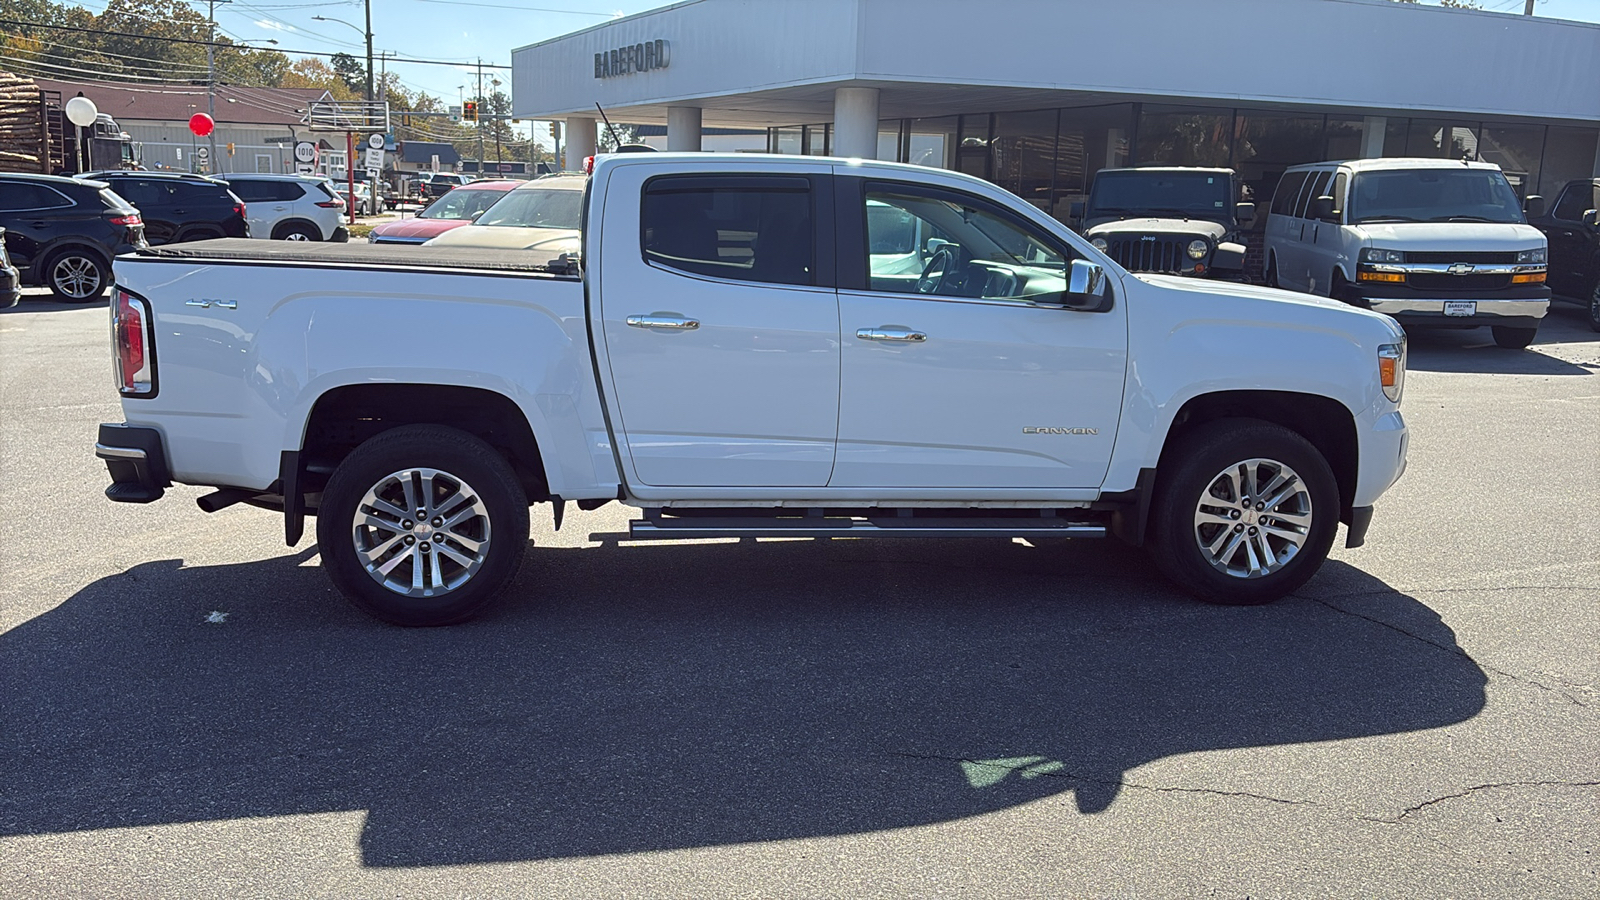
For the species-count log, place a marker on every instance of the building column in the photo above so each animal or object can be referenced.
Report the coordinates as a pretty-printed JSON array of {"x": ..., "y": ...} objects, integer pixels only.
[
  {"x": 580, "y": 136},
  {"x": 855, "y": 122},
  {"x": 683, "y": 128},
  {"x": 1372, "y": 129},
  {"x": 1597, "y": 160}
]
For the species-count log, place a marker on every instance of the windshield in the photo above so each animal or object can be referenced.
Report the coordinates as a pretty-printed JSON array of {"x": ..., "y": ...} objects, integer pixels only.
[
  {"x": 536, "y": 208},
  {"x": 1434, "y": 195},
  {"x": 461, "y": 203},
  {"x": 1168, "y": 193}
]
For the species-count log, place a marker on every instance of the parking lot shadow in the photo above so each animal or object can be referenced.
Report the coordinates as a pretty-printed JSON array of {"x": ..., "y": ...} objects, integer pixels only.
[
  {"x": 1473, "y": 351},
  {"x": 639, "y": 698}
]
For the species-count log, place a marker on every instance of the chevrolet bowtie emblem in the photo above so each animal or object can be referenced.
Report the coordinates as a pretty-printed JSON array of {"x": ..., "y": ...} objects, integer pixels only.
[{"x": 1461, "y": 269}]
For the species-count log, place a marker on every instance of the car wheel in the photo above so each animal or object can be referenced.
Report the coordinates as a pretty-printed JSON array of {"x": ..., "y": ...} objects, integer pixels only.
[
  {"x": 298, "y": 233},
  {"x": 1594, "y": 306},
  {"x": 422, "y": 525},
  {"x": 1513, "y": 338},
  {"x": 75, "y": 276},
  {"x": 1247, "y": 514},
  {"x": 1272, "y": 271}
]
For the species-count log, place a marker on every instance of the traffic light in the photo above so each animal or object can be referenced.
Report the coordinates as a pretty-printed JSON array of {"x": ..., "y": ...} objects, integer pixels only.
[
  {"x": 405, "y": 119},
  {"x": 469, "y": 111}
]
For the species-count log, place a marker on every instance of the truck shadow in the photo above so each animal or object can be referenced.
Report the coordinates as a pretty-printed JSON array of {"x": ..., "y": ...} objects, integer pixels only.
[
  {"x": 639, "y": 698},
  {"x": 1472, "y": 350}
]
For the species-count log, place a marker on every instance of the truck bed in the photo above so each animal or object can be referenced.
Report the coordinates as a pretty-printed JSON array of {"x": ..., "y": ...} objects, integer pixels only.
[{"x": 362, "y": 256}]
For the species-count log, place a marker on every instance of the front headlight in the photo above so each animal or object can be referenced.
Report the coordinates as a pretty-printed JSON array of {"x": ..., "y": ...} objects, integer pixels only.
[
  {"x": 1375, "y": 255},
  {"x": 1099, "y": 243},
  {"x": 1198, "y": 249},
  {"x": 1537, "y": 257},
  {"x": 1392, "y": 369},
  {"x": 372, "y": 237}
]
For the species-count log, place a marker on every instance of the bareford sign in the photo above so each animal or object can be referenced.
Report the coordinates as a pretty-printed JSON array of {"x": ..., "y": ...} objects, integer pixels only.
[{"x": 635, "y": 58}]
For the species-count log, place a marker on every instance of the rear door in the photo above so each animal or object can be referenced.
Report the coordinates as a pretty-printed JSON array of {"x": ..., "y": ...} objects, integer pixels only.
[
  {"x": 1572, "y": 243},
  {"x": 33, "y": 214},
  {"x": 263, "y": 208},
  {"x": 152, "y": 197},
  {"x": 720, "y": 326}
]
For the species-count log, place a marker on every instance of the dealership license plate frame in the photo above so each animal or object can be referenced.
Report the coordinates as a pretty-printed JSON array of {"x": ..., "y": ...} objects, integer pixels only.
[{"x": 1460, "y": 308}]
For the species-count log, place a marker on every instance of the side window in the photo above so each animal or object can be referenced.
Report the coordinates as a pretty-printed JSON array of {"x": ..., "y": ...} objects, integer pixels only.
[
  {"x": 941, "y": 243},
  {"x": 191, "y": 192},
  {"x": 138, "y": 191},
  {"x": 250, "y": 191},
  {"x": 1574, "y": 201},
  {"x": 1288, "y": 191},
  {"x": 1339, "y": 182},
  {"x": 739, "y": 227},
  {"x": 1315, "y": 188},
  {"x": 21, "y": 195}
]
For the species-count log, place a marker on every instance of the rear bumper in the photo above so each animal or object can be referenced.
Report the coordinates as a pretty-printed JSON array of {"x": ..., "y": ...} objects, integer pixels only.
[
  {"x": 341, "y": 235},
  {"x": 137, "y": 462}
]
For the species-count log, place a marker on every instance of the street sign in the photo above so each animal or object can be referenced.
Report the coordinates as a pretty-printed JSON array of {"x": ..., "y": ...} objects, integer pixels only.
[
  {"x": 375, "y": 141},
  {"x": 375, "y": 156},
  {"x": 201, "y": 152},
  {"x": 305, "y": 168},
  {"x": 455, "y": 114},
  {"x": 305, "y": 152}
]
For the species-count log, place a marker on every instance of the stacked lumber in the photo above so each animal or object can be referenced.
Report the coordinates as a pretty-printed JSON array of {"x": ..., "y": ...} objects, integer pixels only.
[{"x": 23, "y": 146}]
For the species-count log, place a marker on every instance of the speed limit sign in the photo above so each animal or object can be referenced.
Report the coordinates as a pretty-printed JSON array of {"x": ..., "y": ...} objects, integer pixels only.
[{"x": 305, "y": 152}]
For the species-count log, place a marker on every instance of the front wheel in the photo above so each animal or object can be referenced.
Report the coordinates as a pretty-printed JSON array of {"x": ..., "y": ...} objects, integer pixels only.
[
  {"x": 1513, "y": 338},
  {"x": 1247, "y": 514},
  {"x": 422, "y": 525},
  {"x": 1594, "y": 306}
]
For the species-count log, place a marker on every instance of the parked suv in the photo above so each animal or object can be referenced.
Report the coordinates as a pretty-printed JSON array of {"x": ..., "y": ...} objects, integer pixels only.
[
  {"x": 178, "y": 208},
  {"x": 1432, "y": 242},
  {"x": 291, "y": 207},
  {"x": 63, "y": 233},
  {"x": 441, "y": 183},
  {"x": 1180, "y": 221},
  {"x": 1573, "y": 230}
]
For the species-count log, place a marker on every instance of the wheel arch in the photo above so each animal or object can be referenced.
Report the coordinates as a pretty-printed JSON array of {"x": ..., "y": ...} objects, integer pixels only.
[
  {"x": 279, "y": 229},
  {"x": 47, "y": 257}
]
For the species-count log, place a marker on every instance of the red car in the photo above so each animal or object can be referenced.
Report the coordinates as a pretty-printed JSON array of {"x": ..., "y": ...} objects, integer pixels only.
[{"x": 456, "y": 208}]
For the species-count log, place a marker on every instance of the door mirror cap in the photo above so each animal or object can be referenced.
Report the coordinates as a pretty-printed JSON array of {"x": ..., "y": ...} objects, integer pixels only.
[
  {"x": 1075, "y": 211},
  {"x": 1228, "y": 257},
  {"x": 1086, "y": 287},
  {"x": 1322, "y": 208},
  {"x": 1592, "y": 216},
  {"x": 1245, "y": 213},
  {"x": 1533, "y": 205}
]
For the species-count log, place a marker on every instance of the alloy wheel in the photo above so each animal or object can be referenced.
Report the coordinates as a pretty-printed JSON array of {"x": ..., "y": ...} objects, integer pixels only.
[
  {"x": 421, "y": 532},
  {"x": 1253, "y": 518},
  {"x": 77, "y": 277}
]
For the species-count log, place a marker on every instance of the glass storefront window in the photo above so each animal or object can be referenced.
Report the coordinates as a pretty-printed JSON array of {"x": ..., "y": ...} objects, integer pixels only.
[
  {"x": 786, "y": 140},
  {"x": 1264, "y": 145},
  {"x": 932, "y": 142},
  {"x": 1184, "y": 136},
  {"x": 1395, "y": 135},
  {"x": 972, "y": 153},
  {"x": 1024, "y": 154},
  {"x": 1091, "y": 138},
  {"x": 1569, "y": 155},
  {"x": 817, "y": 140},
  {"x": 1517, "y": 150},
  {"x": 1442, "y": 139},
  {"x": 889, "y": 140},
  {"x": 1345, "y": 136}
]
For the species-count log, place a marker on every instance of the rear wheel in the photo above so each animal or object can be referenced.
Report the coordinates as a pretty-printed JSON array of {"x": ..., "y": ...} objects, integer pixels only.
[
  {"x": 77, "y": 276},
  {"x": 422, "y": 525},
  {"x": 1247, "y": 515},
  {"x": 298, "y": 232},
  {"x": 1594, "y": 306},
  {"x": 1513, "y": 338}
]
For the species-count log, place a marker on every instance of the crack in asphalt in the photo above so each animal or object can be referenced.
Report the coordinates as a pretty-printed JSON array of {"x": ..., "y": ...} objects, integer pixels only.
[
  {"x": 1496, "y": 785},
  {"x": 1522, "y": 679}
]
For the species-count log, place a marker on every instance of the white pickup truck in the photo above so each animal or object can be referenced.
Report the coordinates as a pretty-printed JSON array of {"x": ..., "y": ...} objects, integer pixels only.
[{"x": 753, "y": 346}]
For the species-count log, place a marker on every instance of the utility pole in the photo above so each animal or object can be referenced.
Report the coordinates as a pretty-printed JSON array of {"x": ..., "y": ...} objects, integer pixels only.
[
  {"x": 478, "y": 125},
  {"x": 1528, "y": 9},
  {"x": 369, "y": 50},
  {"x": 213, "y": 165}
]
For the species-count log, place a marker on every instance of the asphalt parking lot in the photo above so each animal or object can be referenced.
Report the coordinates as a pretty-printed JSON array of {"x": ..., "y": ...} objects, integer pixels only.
[{"x": 190, "y": 711}]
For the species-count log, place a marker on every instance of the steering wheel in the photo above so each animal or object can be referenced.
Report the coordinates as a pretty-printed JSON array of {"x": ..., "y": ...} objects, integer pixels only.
[{"x": 942, "y": 263}]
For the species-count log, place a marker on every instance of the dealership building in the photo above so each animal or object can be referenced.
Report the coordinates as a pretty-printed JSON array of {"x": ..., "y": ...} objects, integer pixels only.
[{"x": 1038, "y": 95}]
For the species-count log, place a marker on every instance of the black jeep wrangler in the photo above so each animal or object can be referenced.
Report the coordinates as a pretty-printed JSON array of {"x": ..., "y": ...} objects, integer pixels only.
[{"x": 1178, "y": 221}]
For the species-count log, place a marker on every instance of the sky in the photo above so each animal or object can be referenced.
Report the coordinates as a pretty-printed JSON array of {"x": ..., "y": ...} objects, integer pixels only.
[{"x": 463, "y": 30}]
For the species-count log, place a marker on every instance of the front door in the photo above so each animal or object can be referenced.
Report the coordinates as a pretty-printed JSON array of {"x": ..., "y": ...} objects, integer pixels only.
[
  {"x": 721, "y": 328},
  {"x": 960, "y": 368}
]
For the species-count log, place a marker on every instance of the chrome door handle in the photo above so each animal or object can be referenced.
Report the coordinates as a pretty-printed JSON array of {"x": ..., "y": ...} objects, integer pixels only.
[
  {"x": 891, "y": 334},
  {"x": 664, "y": 320}
]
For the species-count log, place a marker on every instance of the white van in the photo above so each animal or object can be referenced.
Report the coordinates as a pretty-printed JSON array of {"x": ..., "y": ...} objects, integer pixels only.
[{"x": 1429, "y": 241}]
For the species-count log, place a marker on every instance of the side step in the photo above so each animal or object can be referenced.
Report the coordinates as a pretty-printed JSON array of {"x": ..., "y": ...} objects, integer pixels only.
[{"x": 664, "y": 528}]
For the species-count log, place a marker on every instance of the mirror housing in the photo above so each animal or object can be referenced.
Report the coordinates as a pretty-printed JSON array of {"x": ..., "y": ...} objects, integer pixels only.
[
  {"x": 1592, "y": 217},
  {"x": 1075, "y": 212},
  {"x": 1244, "y": 214},
  {"x": 1322, "y": 208},
  {"x": 1228, "y": 257},
  {"x": 1087, "y": 290},
  {"x": 1533, "y": 205}
]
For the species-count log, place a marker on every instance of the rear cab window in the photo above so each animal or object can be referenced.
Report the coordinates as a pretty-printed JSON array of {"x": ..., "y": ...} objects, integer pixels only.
[{"x": 736, "y": 227}]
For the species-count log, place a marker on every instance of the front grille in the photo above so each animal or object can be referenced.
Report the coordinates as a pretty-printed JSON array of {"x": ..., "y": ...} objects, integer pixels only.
[
  {"x": 1428, "y": 281},
  {"x": 1457, "y": 256},
  {"x": 1139, "y": 255}
]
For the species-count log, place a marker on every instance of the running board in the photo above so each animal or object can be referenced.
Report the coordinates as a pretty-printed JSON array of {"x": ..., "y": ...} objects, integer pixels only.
[{"x": 666, "y": 528}]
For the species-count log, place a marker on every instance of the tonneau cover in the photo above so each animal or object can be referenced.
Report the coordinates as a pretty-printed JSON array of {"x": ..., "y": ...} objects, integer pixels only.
[{"x": 363, "y": 255}]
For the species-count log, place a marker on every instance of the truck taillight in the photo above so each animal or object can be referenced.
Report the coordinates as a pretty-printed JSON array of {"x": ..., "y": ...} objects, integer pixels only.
[{"x": 131, "y": 341}]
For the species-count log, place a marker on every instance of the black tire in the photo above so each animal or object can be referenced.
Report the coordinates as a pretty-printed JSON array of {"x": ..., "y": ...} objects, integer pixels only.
[
  {"x": 1200, "y": 463},
  {"x": 1513, "y": 338},
  {"x": 1338, "y": 288},
  {"x": 77, "y": 276},
  {"x": 296, "y": 231},
  {"x": 1594, "y": 306},
  {"x": 477, "y": 483},
  {"x": 1272, "y": 270}
]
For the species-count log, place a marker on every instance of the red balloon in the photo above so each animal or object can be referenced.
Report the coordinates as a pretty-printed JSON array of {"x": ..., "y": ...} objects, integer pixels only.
[{"x": 201, "y": 124}]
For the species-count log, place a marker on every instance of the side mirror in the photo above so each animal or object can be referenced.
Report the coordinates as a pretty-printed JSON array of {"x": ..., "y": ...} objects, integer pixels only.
[
  {"x": 1592, "y": 217},
  {"x": 1533, "y": 205},
  {"x": 1086, "y": 287},
  {"x": 934, "y": 244},
  {"x": 1321, "y": 208},
  {"x": 1245, "y": 214},
  {"x": 1075, "y": 212},
  {"x": 1229, "y": 257}
]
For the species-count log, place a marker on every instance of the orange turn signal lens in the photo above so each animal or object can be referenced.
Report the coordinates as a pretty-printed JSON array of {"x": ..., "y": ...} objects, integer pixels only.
[
  {"x": 1387, "y": 371},
  {"x": 1393, "y": 277},
  {"x": 1528, "y": 278}
]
